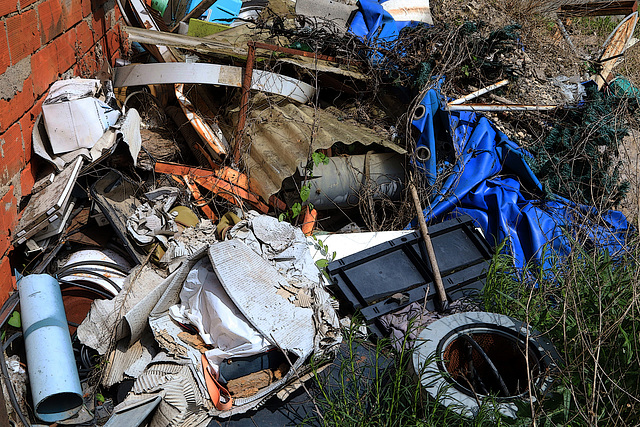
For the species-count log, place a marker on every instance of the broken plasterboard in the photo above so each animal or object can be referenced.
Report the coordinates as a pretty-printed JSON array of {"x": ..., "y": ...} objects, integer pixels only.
[
  {"x": 76, "y": 124},
  {"x": 128, "y": 126},
  {"x": 52, "y": 198},
  {"x": 58, "y": 226}
]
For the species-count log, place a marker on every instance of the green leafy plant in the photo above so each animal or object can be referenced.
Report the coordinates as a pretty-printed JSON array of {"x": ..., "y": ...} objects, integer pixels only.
[{"x": 305, "y": 190}]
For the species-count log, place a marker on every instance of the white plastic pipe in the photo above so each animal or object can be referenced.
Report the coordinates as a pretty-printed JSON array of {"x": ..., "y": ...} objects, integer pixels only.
[
  {"x": 479, "y": 92},
  {"x": 55, "y": 385}
]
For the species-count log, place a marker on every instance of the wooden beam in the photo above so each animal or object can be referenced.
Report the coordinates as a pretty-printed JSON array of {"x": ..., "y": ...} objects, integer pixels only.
[
  {"x": 603, "y": 8},
  {"x": 196, "y": 12}
]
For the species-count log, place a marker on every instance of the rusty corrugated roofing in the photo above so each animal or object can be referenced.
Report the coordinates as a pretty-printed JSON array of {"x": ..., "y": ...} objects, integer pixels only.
[{"x": 280, "y": 135}]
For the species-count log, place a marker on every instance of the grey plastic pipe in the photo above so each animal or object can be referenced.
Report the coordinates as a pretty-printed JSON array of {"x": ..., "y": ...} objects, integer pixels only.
[{"x": 55, "y": 385}]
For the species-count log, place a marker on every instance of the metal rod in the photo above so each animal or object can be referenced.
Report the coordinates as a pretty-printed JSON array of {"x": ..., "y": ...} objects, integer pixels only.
[
  {"x": 565, "y": 34},
  {"x": 479, "y": 92},
  {"x": 492, "y": 367},
  {"x": 442, "y": 295},
  {"x": 244, "y": 100},
  {"x": 501, "y": 107}
]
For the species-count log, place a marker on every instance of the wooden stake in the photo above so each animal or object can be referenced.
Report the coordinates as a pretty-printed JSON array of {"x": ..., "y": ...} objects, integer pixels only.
[{"x": 442, "y": 295}]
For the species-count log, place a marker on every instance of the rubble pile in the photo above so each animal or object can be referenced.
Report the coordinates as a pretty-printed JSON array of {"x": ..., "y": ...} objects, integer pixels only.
[{"x": 215, "y": 209}]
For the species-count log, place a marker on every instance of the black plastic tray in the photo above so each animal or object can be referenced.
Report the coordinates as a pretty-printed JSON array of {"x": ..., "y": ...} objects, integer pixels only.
[{"x": 384, "y": 278}]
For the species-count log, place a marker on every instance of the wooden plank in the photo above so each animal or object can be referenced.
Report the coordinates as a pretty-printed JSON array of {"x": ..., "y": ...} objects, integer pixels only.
[
  {"x": 48, "y": 201},
  {"x": 195, "y": 13},
  {"x": 603, "y": 8},
  {"x": 614, "y": 47}
]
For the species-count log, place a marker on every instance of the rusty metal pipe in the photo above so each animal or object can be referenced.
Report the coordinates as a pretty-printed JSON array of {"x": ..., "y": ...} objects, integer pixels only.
[
  {"x": 275, "y": 48},
  {"x": 244, "y": 99}
]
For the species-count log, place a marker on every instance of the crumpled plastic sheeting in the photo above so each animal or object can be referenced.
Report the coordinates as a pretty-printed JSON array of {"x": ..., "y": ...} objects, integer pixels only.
[
  {"x": 492, "y": 182},
  {"x": 205, "y": 304},
  {"x": 373, "y": 23}
]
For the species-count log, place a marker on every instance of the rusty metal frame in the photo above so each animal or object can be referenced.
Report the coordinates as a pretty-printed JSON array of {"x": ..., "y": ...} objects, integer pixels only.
[{"x": 246, "y": 84}]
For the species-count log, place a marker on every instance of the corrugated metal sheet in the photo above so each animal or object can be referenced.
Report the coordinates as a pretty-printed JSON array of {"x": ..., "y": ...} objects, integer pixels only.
[{"x": 280, "y": 135}]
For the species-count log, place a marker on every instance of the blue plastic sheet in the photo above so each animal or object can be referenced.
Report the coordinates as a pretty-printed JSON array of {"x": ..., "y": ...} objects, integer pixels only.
[
  {"x": 375, "y": 25},
  {"x": 492, "y": 182}
]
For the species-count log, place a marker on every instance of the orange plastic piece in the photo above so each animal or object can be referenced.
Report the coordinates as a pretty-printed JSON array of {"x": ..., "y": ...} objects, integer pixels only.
[
  {"x": 309, "y": 221},
  {"x": 219, "y": 395},
  {"x": 224, "y": 182}
]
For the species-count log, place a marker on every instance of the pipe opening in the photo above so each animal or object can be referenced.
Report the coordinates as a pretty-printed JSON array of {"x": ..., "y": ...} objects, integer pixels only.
[
  {"x": 423, "y": 154},
  {"x": 472, "y": 372},
  {"x": 51, "y": 407},
  {"x": 419, "y": 112}
]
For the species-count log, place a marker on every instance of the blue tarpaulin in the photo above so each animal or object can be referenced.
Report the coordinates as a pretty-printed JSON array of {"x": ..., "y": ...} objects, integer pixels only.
[
  {"x": 375, "y": 24},
  {"x": 488, "y": 177},
  {"x": 492, "y": 182}
]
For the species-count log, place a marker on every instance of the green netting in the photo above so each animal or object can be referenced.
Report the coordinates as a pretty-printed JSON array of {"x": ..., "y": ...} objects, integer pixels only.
[{"x": 579, "y": 158}]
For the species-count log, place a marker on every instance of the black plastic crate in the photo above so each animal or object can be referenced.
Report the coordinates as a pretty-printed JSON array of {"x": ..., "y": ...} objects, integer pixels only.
[{"x": 384, "y": 278}]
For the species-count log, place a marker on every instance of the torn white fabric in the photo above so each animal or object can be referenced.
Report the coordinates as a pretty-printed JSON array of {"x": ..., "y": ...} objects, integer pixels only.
[{"x": 205, "y": 304}]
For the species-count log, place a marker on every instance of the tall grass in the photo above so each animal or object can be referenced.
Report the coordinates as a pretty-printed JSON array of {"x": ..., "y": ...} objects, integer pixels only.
[
  {"x": 589, "y": 309},
  {"x": 588, "y": 306}
]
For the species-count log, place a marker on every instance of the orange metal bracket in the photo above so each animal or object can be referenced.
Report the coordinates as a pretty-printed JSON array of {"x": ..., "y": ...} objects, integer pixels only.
[
  {"x": 224, "y": 182},
  {"x": 199, "y": 200}
]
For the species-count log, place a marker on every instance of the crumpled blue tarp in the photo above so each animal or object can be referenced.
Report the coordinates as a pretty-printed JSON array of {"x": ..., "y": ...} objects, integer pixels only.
[
  {"x": 492, "y": 182},
  {"x": 375, "y": 24}
]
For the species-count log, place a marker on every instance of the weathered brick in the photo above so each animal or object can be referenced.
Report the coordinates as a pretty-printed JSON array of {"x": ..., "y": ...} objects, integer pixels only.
[
  {"x": 98, "y": 24},
  {"x": 51, "y": 20},
  {"x": 8, "y": 6},
  {"x": 5, "y": 58},
  {"x": 113, "y": 40},
  {"x": 27, "y": 179},
  {"x": 8, "y": 281},
  {"x": 4, "y": 246},
  {"x": 11, "y": 110},
  {"x": 11, "y": 152},
  {"x": 24, "y": 38},
  {"x": 25, "y": 3},
  {"x": 44, "y": 68},
  {"x": 72, "y": 10},
  {"x": 118, "y": 13},
  {"x": 26, "y": 123},
  {"x": 65, "y": 50},
  {"x": 86, "y": 8},
  {"x": 84, "y": 37}
]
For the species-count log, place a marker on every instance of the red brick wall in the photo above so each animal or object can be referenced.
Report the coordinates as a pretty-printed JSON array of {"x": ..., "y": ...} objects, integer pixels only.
[{"x": 40, "y": 42}]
